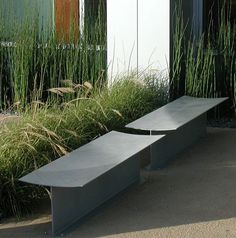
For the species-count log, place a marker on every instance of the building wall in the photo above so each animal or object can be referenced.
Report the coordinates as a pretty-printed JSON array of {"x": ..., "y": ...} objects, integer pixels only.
[
  {"x": 192, "y": 11},
  {"x": 121, "y": 37},
  {"x": 66, "y": 14},
  {"x": 154, "y": 35},
  {"x": 138, "y": 36},
  {"x": 19, "y": 10}
]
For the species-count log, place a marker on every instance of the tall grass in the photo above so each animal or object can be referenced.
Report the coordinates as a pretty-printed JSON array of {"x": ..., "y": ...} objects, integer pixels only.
[
  {"x": 44, "y": 133},
  {"x": 33, "y": 60},
  {"x": 200, "y": 70},
  {"x": 210, "y": 61},
  {"x": 177, "y": 77}
]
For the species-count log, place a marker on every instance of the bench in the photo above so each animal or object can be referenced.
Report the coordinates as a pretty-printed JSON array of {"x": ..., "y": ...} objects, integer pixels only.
[
  {"x": 87, "y": 177},
  {"x": 183, "y": 121}
]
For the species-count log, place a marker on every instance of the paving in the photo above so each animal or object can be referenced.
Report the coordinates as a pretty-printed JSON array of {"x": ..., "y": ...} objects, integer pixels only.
[{"x": 194, "y": 196}]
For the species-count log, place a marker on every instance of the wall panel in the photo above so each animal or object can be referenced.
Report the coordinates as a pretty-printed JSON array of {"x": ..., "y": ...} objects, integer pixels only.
[{"x": 66, "y": 19}]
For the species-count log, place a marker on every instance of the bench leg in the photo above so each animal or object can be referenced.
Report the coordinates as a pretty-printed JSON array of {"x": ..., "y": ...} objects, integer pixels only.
[
  {"x": 70, "y": 205},
  {"x": 176, "y": 141}
]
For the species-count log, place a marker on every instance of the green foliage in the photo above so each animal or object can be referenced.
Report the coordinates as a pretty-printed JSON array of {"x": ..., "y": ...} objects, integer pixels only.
[
  {"x": 45, "y": 132},
  {"x": 206, "y": 67},
  {"x": 34, "y": 59},
  {"x": 178, "y": 53}
]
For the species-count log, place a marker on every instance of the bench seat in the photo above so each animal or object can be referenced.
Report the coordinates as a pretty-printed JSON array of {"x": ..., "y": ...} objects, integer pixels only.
[
  {"x": 183, "y": 121},
  {"x": 87, "y": 177}
]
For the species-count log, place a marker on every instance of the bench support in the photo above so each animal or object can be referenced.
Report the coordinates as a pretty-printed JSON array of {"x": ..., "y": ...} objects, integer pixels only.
[
  {"x": 70, "y": 205},
  {"x": 176, "y": 141}
]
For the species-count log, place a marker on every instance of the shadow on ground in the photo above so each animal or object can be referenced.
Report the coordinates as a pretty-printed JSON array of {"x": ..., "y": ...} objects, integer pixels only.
[{"x": 199, "y": 186}]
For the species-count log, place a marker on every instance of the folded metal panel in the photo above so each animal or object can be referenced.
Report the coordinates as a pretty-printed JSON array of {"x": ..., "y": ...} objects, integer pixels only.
[
  {"x": 175, "y": 114},
  {"x": 70, "y": 205},
  {"x": 90, "y": 161}
]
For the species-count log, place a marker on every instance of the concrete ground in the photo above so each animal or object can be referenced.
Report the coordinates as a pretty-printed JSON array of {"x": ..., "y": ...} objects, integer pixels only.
[{"x": 195, "y": 196}]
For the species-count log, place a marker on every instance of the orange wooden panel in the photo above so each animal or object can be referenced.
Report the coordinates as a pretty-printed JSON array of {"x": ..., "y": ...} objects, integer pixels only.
[{"x": 67, "y": 19}]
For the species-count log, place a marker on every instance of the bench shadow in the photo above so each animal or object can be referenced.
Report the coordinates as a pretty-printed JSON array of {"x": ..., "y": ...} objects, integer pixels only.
[{"x": 199, "y": 186}]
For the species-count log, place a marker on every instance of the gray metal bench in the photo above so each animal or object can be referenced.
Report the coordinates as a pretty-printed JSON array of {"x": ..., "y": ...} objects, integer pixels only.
[
  {"x": 183, "y": 121},
  {"x": 90, "y": 175}
]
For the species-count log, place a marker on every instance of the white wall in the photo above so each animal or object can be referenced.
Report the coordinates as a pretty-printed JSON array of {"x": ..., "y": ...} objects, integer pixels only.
[
  {"x": 153, "y": 35},
  {"x": 150, "y": 31},
  {"x": 122, "y": 36}
]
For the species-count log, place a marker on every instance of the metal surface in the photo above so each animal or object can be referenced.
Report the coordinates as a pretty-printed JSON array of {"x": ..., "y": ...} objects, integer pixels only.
[
  {"x": 183, "y": 121},
  {"x": 70, "y": 205},
  {"x": 90, "y": 161},
  {"x": 87, "y": 177},
  {"x": 175, "y": 114},
  {"x": 176, "y": 141}
]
